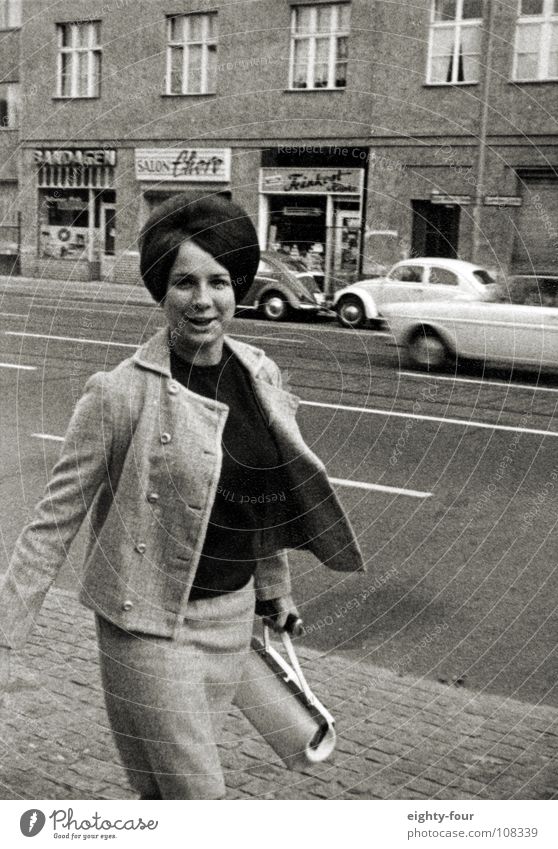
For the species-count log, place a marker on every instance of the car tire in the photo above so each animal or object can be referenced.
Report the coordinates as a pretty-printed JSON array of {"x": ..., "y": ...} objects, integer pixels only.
[
  {"x": 428, "y": 351},
  {"x": 274, "y": 307},
  {"x": 350, "y": 312}
]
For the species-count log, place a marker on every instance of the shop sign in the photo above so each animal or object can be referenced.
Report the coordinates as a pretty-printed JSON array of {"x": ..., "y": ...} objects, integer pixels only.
[
  {"x": 75, "y": 156},
  {"x": 187, "y": 164},
  {"x": 312, "y": 181},
  {"x": 502, "y": 200},
  {"x": 451, "y": 200}
]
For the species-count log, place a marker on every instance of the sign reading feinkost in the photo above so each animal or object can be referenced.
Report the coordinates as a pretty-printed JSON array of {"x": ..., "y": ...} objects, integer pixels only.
[
  {"x": 187, "y": 164},
  {"x": 312, "y": 181}
]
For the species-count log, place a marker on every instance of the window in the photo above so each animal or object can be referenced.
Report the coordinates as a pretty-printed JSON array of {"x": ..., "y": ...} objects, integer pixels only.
[
  {"x": 79, "y": 59},
  {"x": 442, "y": 277},
  {"x": 9, "y": 105},
  {"x": 320, "y": 46},
  {"x": 192, "y": 54},
  {"x": 484, "y": 277},
  {"x": 455, "y": 41},
  {"x": 536, "y": 41},
  {"x": 10, "y": 14},
  {"x": 407, "y": 274}
]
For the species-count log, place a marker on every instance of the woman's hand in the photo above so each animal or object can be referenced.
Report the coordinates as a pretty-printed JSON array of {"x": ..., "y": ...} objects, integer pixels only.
[{"x": 280, "y": 614}]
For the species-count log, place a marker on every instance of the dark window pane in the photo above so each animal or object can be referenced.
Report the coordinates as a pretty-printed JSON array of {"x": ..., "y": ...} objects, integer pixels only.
[
  {"x": 472, "y": 9},
  {"x": 532, "y": 7},
  {"x": 446, "y": 10}
]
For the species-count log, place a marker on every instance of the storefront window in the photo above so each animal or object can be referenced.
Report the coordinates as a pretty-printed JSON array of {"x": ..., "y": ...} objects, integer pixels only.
[{"x": 66, "y": 228}]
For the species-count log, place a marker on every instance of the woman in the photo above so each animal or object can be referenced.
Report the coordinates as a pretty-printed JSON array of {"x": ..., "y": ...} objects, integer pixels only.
[{"x": 188, "y": 466}]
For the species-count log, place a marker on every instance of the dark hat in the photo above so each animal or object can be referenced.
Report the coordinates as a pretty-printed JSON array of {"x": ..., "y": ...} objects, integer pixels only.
[{"x": 216, "y": 224}]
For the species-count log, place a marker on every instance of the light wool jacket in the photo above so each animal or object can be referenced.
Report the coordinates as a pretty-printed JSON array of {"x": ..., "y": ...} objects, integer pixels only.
[{"x": 140, "y": 464}]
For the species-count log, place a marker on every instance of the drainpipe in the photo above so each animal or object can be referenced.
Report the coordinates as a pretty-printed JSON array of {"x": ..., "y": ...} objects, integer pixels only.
[{"x": 483, "y": 128}]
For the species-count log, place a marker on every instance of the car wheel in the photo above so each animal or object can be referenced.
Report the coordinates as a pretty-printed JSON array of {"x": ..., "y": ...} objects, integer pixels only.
[
  {"x": 427, "y": 350},
  {"x": 350, "y": 312},
  {"x": 274, "y": 307}
]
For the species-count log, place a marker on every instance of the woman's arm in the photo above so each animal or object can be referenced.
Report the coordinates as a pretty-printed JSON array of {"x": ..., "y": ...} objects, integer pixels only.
[{"x": 43, "y": 544}]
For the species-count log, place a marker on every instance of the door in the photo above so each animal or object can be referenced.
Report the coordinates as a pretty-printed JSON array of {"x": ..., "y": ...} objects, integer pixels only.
[
  {"x": 346, "y": 244},
  {"x": 435, "y": 229},
  {"x": 108, "y": 239}
]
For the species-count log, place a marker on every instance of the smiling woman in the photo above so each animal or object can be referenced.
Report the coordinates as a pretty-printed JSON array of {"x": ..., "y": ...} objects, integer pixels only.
[{"x": 176, "y": 458}]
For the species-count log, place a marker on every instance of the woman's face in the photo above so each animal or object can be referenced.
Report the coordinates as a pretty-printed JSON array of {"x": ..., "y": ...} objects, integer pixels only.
[{"x": 198, "y": 305}]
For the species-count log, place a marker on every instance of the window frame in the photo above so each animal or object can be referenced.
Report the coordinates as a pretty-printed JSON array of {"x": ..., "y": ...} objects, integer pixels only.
[
  {"x": 545, "y": 21},
  {"x": 334, "y": 33},
  {"x": 456, "y": 25},
  {"x": 10, "y": 15},
  {"x": 205, "y": 45},
  {"x": 92, "y": 49}
]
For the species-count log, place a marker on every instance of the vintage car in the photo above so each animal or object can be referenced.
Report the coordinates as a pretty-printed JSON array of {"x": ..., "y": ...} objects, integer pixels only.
[
  {"x": 363, "y": 303},
  {"x": 283, "y": 287},
  {"x": 434, "y": 334}
]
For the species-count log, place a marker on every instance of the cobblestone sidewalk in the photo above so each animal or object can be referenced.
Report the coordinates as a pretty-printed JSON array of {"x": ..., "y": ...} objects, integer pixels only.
[{"x": 399, "y": 737}]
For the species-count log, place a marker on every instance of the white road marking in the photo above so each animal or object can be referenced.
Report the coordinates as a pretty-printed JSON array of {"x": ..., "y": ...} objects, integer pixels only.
[
  {"x": 481, "y": 382},
  {"x": 48, "y": 437},
  {"x": 369, "y": 411},
  {"x": 70, "y": 339},
  {"x": 129, "y": 345},
  {"x": 374, "y": 487},
  {"x": 15, "y": 365},
  {"x": 443, "y": 420},
  {"x": 14, "y": 314},
  {"x": 268, "y": 338}
]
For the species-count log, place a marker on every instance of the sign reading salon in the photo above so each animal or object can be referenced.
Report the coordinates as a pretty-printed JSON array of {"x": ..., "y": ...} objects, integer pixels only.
[{"x": 186, "y": 164}]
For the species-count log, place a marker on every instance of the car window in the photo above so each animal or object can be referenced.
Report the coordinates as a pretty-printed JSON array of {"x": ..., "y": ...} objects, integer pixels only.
[
  {"x": 484, "y": 277},
  {"x": 534, "y": 291},
  {"x": 442, "y": 277},
  {"x": 407, "y": 274}
]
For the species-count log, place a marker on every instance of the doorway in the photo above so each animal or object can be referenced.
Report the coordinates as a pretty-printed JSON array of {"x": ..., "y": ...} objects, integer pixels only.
[
  {"x": 108, "y": 239},
  {"x": 435, "y": 229}
]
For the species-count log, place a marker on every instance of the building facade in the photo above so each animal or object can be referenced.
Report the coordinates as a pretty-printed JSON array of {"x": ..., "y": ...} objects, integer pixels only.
[{"x": 354, "y": 132}]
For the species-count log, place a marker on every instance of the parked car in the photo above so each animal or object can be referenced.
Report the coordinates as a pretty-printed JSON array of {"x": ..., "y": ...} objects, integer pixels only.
[
  {"x": 434, "y": 334},
  {"x": 427, "y": 279},
  {"x": 282, "y": 286}
]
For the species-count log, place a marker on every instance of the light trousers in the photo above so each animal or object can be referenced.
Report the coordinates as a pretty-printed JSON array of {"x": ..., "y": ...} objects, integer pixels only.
[{"x": 167, "y": 699}]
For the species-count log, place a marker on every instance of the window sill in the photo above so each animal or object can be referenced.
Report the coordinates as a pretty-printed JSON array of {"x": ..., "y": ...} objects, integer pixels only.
[
  {"x": 81, "y": 97},
  {"x": 313, "y": 90},
  {"x": 192, "y": 94},
  {"x": 546, "y": 81},
  {"x": 449, "y": 85}
]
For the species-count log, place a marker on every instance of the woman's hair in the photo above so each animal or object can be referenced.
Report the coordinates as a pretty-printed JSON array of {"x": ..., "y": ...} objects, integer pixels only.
[{"x": 214, "y": 223}]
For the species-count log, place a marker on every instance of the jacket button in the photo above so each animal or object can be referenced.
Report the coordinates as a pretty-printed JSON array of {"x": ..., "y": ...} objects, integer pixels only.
[
  {"x": 153, "y": 497},
  {"x": 166, "y": 438},
  {"x": 141, "y": 547},
  {"x": 127, "y": 605},
  {"x": 173, "y": 388}
]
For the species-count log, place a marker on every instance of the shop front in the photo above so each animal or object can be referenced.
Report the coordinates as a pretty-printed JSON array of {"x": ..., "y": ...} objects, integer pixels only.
[
  {"x": 161, "y": 172},
  {"x": 76, "y": 209},
  {"x": 314, "y": 215}
]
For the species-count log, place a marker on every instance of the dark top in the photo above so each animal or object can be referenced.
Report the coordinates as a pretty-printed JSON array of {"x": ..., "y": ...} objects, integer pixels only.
[{"x": 250, "y": 479}]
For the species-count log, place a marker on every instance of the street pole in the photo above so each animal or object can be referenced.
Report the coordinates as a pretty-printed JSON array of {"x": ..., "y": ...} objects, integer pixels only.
[{"x": 483, "y": 129}]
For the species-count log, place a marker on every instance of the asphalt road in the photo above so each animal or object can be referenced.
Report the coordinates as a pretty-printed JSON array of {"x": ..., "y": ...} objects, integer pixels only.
[{"x": 451, "y": 482}]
